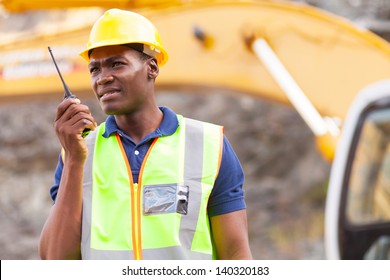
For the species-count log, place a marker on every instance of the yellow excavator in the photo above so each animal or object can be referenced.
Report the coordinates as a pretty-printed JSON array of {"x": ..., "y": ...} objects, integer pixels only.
[{"x": 331, "y": 71}]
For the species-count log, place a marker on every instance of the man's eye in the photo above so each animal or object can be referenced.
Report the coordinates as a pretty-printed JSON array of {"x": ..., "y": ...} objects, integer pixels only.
[
  {"x": 93, "y": 70},
  {"x": 117, "y": 63}
]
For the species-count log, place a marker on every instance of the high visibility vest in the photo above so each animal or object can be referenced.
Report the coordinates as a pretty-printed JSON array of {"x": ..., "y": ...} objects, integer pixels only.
[{"x": 164, "y": 216}]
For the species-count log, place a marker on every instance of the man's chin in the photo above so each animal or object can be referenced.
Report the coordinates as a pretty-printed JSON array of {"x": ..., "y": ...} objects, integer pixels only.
[
  {"x": 118, "y": 109},
  {"x": 108, "y": 110},
  {"x": 113, "y": 112}
]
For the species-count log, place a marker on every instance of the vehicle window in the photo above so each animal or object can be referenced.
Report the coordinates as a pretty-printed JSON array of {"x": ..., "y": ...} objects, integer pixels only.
[{"x": 368, "y": 197}]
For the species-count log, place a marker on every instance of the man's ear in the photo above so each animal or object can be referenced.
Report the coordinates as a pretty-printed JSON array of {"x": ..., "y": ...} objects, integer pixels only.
[{"x": 153, "y": 69}]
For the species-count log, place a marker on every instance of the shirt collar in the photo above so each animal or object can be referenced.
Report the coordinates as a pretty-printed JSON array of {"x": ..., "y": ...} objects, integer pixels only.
[{"x": 167, "y": 127}]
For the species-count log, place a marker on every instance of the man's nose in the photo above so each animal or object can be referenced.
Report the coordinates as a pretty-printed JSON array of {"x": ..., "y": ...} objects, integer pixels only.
[{"x": 105, "y": 77}]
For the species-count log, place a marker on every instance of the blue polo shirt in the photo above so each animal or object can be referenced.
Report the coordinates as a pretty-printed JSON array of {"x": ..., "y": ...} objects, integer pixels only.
[{"x": 227, "y": 195}]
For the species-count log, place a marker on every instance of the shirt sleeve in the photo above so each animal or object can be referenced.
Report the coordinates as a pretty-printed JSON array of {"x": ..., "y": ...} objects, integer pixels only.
[
  {"x": 228, "y": 194},
  {"x": 57, "y": 179}
]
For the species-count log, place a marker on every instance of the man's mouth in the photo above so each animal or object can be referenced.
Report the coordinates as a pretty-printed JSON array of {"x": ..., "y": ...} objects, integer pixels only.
[{"x": 109, "y": 93}]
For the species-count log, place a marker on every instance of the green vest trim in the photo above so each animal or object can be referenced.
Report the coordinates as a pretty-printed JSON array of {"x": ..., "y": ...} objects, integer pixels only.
[{"x": 164, "y": 216}]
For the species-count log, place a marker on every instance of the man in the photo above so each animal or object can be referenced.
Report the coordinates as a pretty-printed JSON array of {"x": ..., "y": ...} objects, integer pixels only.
[{"x": 147, "y": 183}]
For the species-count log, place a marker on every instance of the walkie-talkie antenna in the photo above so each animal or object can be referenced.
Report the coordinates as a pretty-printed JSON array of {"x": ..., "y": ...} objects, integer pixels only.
[{"x": 68, "y": 93}]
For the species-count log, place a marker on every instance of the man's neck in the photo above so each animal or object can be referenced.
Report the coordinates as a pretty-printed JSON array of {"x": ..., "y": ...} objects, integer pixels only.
[{"x": 139, "y": 124}]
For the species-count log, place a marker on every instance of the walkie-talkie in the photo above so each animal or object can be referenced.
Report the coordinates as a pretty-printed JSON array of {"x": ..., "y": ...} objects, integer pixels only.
[{"x": 68, "y": 93}]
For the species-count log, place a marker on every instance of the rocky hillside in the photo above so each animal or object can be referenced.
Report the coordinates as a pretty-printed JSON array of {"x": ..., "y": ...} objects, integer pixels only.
[{"x": 285, "y": 176}]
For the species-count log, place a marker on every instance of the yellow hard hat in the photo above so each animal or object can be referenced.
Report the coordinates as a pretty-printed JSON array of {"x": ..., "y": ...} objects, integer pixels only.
[{"x": 119, "y": 27}]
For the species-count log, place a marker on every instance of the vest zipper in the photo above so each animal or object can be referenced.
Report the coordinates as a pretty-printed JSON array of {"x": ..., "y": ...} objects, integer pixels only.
[
  {"x": 137, "y": 240},
  {"x": 135, "y": 191}
]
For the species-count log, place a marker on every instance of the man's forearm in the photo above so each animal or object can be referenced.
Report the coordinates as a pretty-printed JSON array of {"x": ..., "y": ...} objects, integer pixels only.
[{"x": 61, "y": 235}]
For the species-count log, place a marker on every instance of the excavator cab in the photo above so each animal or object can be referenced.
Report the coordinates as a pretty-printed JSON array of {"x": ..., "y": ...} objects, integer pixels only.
[{"x": 358, "y": 203}]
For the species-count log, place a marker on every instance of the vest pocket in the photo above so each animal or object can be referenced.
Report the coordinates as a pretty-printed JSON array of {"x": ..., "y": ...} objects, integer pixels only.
[{"x": 167, "y": 198}]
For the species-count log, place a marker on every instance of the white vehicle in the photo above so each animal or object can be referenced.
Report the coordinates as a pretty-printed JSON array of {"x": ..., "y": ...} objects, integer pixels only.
[{"x": 357, "y": 222}]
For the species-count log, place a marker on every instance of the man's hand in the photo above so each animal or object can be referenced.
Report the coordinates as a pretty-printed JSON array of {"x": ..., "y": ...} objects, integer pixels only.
[{"x": 72, "y": 118}]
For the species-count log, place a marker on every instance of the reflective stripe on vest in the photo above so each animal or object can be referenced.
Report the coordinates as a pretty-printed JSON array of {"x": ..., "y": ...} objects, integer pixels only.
[{"x": 164, "y": 216}]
